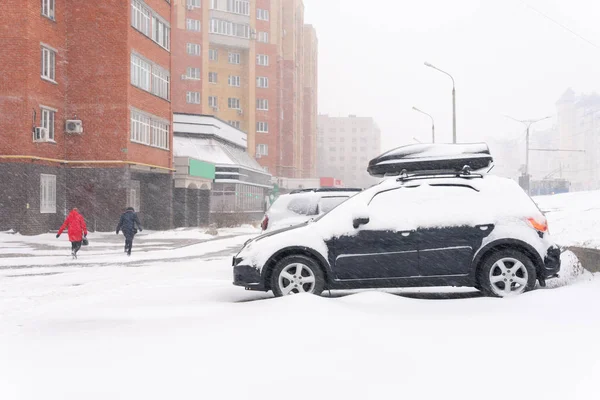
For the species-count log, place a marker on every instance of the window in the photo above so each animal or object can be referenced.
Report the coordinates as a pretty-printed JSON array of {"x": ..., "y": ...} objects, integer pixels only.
[
  {"x": 234, "y": 81},
  {"x": 160, "y": 82},
  {"x": 363, "y": 149},
  {"x": 149, "y": 130},
  {"x": 233, "y": 103},
  {"x": 194, "y": 3},
  {"x": 263, "y": 37},
  {"x": 48, "y": 64},
  {"x": 333, "y": 149},
  {"x": 47, "y": 122},
  {"x": 192, "y": 73},
  {"x": 193, "y": 97},
  {"x": 161, "y": 33},
  {"x": 263, "y": 60},
  {"x": 354, "y": 149},
  {"x": 213, "y": 77},
  {"x": 238, "y": 7},
  {"x": 262, "y": 127},
  {"x": 331, "y": 158},
  {"x": 262, "y": 104},
  {"x": 234, "y": 58},
  {"x": 262, "y": 82},
  {"x": 193, "y": 49},
  {"x": 47, "y": 194},
  {"x": 213, "y": 101},
  {"x": 213, "y": 54},
  {"x": 140, "y": 17},
  {"x": 353, "y": 140},
  {"x": 262, "y": 15},
  {"x": 140, "y": 72},
  {"x": 193, "y": 25},
  {"x": 48, "y": 8},
  {"x": 228, "y": 28},
  {"x": 262, "y": 150},
  {"x": 235, "y": 124}
]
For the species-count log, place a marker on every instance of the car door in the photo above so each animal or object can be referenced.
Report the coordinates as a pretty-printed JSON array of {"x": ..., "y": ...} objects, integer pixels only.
[
  {"x": 384, "y": 248},
  {"x": 452, "y": 230}
]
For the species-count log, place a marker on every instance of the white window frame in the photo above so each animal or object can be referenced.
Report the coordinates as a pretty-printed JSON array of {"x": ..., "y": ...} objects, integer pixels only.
[
  {"x": 213, "y": 55},
  {"x": 141, "y": 17},
  {"x": 235, "y": 124},
  {"x": 193, "y": 49},
  {"x": 262, "y": 82},
  {"x": 262, "y": 150},
  {"x": 213, "y": 77},
  {"x": 149, "y": 130},
  {"x": 234, "y": 58},
  {"x": 193, "y": 73},
  {"x": 235, "y": 81},
  {"x": 49, "y": 9},
  {"x": 262, "y": 15},
  {"x": 194, "y": 3},
  {"x": 192, "y": 97},
  {"x": 262, "y": 127},
  {"x": 233, "y": 103},
  {"x": 47, "y": 121},
  {"x": 229, "y": 28},
  {"x": 47, "y": 194},
  {"x": 193, "y": 25},
  {"x": 263, "y": 37},
  {"x": 141, "y": 72},
  {"x": 161, "y": 32},
  {"x": 262, "y": 104},
  {"x": 262, "y": 60},
  {"x": 213, "y": 102},
  {"x": 48, "y": 70},
  {"x": 241, "y": 7}
]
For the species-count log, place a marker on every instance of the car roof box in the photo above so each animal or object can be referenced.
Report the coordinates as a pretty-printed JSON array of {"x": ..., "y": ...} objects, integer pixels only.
[{"x": 422, "y": 158}]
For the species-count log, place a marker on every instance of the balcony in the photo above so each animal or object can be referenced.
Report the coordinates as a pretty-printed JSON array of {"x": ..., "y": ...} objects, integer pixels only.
[{"x": 229, "y": 29}]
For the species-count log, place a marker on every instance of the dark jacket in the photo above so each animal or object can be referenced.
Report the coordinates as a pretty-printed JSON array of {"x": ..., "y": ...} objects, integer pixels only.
[{"x": 128, "y": 222}]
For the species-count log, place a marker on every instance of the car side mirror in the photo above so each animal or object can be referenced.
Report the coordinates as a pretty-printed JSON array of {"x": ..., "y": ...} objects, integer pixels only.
[{"x": 359, "y": 221}]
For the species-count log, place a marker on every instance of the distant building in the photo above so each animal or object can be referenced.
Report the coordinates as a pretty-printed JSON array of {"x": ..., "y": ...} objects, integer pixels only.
[{"x": 345, "y": 147}]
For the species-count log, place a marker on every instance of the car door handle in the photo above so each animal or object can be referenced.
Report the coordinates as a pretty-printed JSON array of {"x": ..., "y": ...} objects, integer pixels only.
[
  {"x": 485, "y": 227},
  {"x": 406, "y": 233}
]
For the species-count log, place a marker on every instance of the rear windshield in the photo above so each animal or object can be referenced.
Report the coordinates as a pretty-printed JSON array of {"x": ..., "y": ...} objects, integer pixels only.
[{"x": 327, "y": 204}]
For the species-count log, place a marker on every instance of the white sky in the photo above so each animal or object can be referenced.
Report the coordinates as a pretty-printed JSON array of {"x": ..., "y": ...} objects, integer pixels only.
[{"x": 506, "y": 59}]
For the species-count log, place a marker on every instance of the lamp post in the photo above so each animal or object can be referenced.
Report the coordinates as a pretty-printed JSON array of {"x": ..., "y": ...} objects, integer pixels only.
[
  {"x": 527, "y": 123},
  {"x": 453, "y": 100},
  {"x": 432, "y": 123}
]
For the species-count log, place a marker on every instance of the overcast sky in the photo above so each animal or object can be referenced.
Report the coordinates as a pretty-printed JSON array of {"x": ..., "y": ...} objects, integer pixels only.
[{"x": 505, "y": 57}]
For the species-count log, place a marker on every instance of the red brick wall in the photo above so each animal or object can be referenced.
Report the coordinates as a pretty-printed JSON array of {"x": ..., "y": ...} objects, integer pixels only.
[{"x": 289, "y": 121}]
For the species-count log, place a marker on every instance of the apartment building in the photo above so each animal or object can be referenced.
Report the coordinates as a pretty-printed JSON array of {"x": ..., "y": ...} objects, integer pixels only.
[
  {"x": 242, "y": 61},
  {"x": 85, "y": 112},
  {"x": 345, "y": 147},
  {"x": 309, "y": 144}
]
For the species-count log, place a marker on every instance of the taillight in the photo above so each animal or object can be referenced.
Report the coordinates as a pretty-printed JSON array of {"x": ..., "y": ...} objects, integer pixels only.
[
  {"x": 540, "y": 224},
  {"x": 265, "y": 223}
]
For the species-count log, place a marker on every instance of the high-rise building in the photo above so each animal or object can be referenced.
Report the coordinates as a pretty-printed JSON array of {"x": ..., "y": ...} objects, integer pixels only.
[
  {"x": 345, "y": 147},
  {"x": 85, "y": 112},
  {"x": 309, "y": 145},
  {"x": 244, "y": 61}
]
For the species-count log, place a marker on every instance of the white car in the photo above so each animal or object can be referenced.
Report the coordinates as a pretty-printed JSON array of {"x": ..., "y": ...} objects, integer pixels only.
[{"x": 302, "y": 205}]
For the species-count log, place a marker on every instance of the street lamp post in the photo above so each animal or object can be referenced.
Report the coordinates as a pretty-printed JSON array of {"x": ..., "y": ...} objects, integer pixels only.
[
  {"x": 432, "y": 123},
  {"x": 527, "y": 123},
  {"x": 453, "y": 100}
]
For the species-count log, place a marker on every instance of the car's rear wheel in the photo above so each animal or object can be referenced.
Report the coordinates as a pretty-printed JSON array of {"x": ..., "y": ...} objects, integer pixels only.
[
  {"x": 507, "y": 273},
  {"x": 297, "y": 274}
]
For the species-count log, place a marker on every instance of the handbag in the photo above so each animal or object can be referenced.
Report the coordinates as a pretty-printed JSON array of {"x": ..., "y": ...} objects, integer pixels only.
[{"x": 85, "y": 242}]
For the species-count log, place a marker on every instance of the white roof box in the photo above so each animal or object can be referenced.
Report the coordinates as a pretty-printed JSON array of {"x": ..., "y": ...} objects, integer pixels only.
[{"x": 423, "y": 158}]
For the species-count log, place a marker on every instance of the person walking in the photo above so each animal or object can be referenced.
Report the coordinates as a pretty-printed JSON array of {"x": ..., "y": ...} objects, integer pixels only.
[
  {"x": 128, "y": 222},
  {"x": 75, "y": 224}
]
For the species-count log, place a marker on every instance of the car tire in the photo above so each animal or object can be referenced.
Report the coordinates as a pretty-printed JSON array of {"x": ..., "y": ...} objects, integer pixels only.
[
  {"x": 297, "y": 274},
  {"x": 506, "y": 273}
]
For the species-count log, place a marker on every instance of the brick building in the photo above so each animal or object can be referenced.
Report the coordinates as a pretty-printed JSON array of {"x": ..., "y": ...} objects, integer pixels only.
[
  {"x": 85, "y": 112},
  {"x": 244, "y": 61}
]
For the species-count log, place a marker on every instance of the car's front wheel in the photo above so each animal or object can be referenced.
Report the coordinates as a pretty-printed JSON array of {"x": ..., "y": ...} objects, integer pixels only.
[
  {"x": 507, "y": 273},
  {"x": 297, "y": 274}
]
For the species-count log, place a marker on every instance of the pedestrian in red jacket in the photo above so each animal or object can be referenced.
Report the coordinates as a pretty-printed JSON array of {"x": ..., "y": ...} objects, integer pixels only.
[{"x": 77, "y": 230}]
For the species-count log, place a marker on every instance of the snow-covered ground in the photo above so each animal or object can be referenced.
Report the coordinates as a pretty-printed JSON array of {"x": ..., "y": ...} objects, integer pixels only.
[{"x": 168, "y": 324}]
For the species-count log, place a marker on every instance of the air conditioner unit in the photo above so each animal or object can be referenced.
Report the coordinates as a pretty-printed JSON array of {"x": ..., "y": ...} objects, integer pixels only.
[
  {"x": 40, "y": 134},
  {"x": 74, "y": 126},
  {"x": 240, "y": 111},
  {"x": 190, "y": 7},
  {"x": 184, "y": 77},
  {"x": 215, "y": 108}
]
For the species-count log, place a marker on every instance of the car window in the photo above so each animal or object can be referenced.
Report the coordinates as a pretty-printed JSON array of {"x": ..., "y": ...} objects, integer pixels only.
[
  {"x": 302, "y": 206},
  {"x": 327, "y": 204}
]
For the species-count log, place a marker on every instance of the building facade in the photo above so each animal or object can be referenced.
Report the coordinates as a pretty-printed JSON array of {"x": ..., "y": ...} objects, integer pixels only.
[
  {"x": 85, "y": 112},
  {"x": 243, "y": 61},
  {"x": 345, "y": 147}
]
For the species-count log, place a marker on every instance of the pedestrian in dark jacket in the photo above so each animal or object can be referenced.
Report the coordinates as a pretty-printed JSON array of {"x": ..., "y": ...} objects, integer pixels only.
[
  {"x": 77, "y": 230},
  {"x": 128, "y": 223}
]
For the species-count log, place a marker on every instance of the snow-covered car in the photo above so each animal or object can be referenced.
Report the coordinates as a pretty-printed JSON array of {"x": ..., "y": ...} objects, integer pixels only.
[
  {"x": 300, "y": 206},
  {"x": 437, "y": 229}
]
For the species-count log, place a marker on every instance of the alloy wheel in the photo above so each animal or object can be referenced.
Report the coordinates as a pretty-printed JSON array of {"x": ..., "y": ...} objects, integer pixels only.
[
  {"x": 296, "y": 278},
  {"x": 508, "y": 276}
]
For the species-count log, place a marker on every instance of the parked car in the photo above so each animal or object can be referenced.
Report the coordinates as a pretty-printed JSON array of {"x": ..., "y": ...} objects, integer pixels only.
[
  {"x": 438, "y": 228},
  {"x": 300, "y": 206}
]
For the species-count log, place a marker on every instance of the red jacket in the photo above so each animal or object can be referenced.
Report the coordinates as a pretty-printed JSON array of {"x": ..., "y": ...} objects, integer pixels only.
[{"x": 76, "y": 225}]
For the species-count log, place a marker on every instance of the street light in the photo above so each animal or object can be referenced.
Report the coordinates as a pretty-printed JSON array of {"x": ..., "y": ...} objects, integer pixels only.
[
  {"x": 527, "y": 123},
  {"x": 432, "y": 123},
  {"x": 453, "y": 100}
]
